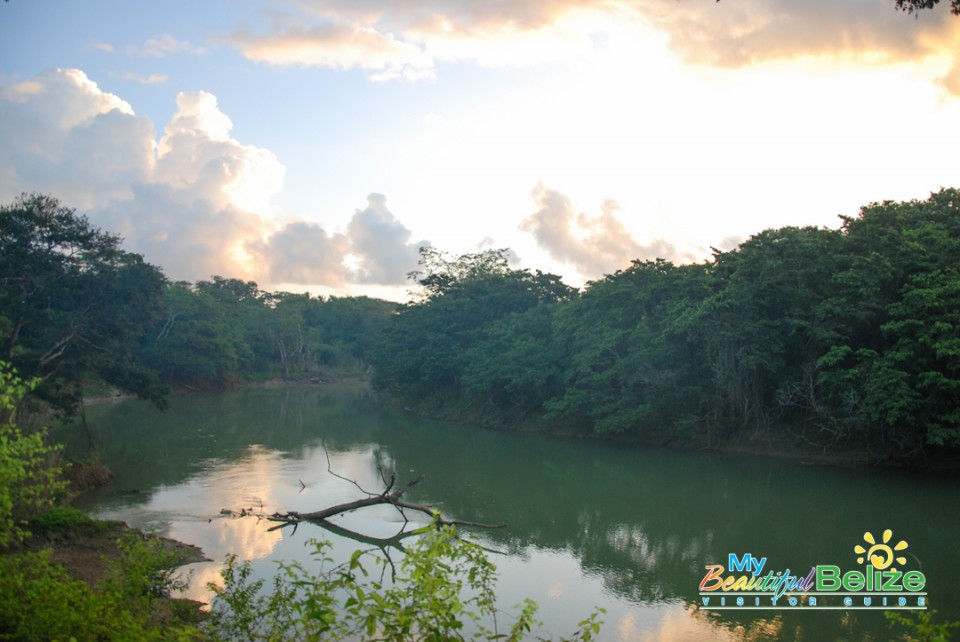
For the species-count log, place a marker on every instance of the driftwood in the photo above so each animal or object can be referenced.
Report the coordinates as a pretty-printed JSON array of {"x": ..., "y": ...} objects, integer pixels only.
[
  {"x": 386, "y": 497},
  {"x": 395, "y": 498}
]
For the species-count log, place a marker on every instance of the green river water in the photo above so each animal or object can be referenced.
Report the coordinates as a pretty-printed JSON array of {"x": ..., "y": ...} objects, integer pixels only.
[{"x": 589, "y": 523}]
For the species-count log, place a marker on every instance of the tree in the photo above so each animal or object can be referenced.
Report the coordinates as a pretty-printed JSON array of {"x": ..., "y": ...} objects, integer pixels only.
[
  {"x": 635, "y": 366},
  {"x": 911, "y": 6},
  {"x": 889, "y": 374},
  {"x": 193, "y": 344},
  {"x": 423, "y": 353},
  {"x": 72, "y": 303}
]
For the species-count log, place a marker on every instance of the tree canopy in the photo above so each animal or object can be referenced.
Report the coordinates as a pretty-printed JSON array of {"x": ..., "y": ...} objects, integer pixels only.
[
  {"x": 911, "y": 6},
  {"x": 72, "y": 302},
  {"x": 843, "y": 338},
  {"x": 830, "y": 338},
  {"x": 76, "y": 309}
]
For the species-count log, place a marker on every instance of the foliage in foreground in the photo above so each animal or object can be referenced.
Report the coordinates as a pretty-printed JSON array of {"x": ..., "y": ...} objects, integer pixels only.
[
  {"x": 28, "y": 482},
  {"x": 40, "y": 601},
  {"x": 921, "y": 626},
  {"x": 443, "y": 590}
]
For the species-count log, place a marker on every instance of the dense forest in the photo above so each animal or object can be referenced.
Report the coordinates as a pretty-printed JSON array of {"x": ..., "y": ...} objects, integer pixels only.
[
  {"x": 844, "y": 339},
  {"x": 836, "y": 339},
  {"x": 76, "y": 312}
]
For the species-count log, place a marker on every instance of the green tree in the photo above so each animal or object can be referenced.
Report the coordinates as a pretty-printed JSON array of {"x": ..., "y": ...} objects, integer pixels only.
[
  {"x": 635, "y": 367},
  {"x": 72, "y": 303},
  {"x": 423, "y": 352},
  {"x": 761, "y": 326},
  {"x": 295, "y": 344},
  {"x": 193, "y": 344},
  {"x": 889, "y": 374},
  {"x": 349, "y": 327}
]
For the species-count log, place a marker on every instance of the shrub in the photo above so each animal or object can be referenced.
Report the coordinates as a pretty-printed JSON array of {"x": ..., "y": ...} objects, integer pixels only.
[
  {"x": 443, "y": 590},
  {"x": 39, "y": 601},
  {"x": 28, "y": 482},
  {"x": 64, "y": 521}
]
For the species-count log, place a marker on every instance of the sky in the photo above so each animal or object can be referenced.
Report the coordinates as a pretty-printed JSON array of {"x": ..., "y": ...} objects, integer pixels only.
[{"x": 316, "y": 145}]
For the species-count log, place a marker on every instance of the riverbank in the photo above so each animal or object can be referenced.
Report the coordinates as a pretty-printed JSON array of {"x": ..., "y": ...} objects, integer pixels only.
[
  {"x": 771, "y": 443},
  {"x": 324, "y": 377},
  {"x": 73, "y": 570}
]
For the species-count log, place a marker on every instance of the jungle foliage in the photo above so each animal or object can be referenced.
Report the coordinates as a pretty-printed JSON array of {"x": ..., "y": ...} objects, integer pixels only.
[
  {"x": 76, "y": 309},
  {"x": 835, "y": 338},
  {"x": 846, "y": 338}
]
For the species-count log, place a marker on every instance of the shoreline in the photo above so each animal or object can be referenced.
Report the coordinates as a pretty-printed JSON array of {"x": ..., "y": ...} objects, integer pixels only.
[{"x": 936, "y": 462}]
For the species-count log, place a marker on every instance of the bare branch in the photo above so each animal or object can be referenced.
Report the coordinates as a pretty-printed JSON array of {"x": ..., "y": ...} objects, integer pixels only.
[{"x": 346, "y": 479}]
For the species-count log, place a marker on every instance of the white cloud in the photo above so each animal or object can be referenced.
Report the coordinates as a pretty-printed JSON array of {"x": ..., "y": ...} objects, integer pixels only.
[
  {"x": 163, "y": 45},
  {"x": 151, "y": 79},
  {"x": 101, "y": 46},
  {"x": 184, "y": 203},
  {"x": 304, "y": 253},
  {"x": 411, "y": 38},
  {"x": 382, "y": 244},
  {"x": 62, "y": 134},
  {"x": 407, "y": 39},
  {"x": 376, "y": 250},
  {"x": 594, "y": 245},
  {"x": 196, "y": 201},
  {"x": 339, "y": 47}
]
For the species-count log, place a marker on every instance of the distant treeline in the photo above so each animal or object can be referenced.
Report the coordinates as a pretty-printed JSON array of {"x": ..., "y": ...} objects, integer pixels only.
[
  {"x": 76, "y": 312},
  {"x": 838, "y": 339},
  {"x": 846, "y": 339}
]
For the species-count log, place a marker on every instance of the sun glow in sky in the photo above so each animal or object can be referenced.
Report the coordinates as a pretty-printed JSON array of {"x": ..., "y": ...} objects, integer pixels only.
[{"x": 316, "y": 144}]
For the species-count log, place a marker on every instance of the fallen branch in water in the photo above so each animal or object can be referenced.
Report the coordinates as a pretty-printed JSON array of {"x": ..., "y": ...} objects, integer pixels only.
[
  {"x": 294, "y": 518},
  {"x": 386, "y": 497}
]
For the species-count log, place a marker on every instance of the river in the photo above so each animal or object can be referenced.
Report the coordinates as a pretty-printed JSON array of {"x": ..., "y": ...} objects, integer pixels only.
[{"x": 590, "y": 523}]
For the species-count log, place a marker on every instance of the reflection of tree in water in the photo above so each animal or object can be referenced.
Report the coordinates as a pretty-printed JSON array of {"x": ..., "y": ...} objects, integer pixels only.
[
  {"x": 645, "y": 521},
  {"x": 146, "y": 447}
]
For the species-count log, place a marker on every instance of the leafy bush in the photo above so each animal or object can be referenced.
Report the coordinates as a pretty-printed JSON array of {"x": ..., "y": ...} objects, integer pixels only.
[
  {"x": 922, "y": 626},
  {"x": 146, "y": 569},
  {"x": 28, "y": 482},
  {"x": 64, "y": 520},
  {"x": 39, "y": 601},
  {"x": 443, "y": 590}
]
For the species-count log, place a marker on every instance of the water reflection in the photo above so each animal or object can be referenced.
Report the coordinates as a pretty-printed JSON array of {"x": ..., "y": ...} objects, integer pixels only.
[{"x": 589, "y": 523}]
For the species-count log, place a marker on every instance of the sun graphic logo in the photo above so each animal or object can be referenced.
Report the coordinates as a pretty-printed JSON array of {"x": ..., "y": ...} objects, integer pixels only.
[{"x": 880, "y": 555}]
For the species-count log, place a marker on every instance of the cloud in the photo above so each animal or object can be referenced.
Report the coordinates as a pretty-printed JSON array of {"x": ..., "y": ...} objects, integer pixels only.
[
  {"x": 593, "y": 245},
  {"x": 152, "y": 79},
  {"x": 304, "y": 253},
  {"x": 407, "y": 39},
  {"x": 163, "y": 45},
  {"x": 189, "y": 236},
  {"x": 339, "y": 47},
  {"x": 750, "y": 31},
  {"x": 382, "y": 244},
  {"x": 375, "y": 249},
  {"x": 105, "y": 47},
  {"x": 62, "y": 134},
  {"x": 196, "y": 202},
  {"x": 188, "y": 202}
]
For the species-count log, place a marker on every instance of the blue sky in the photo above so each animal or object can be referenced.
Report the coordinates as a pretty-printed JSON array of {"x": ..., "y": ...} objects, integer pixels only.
[{"x": 316, "y": 144}]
